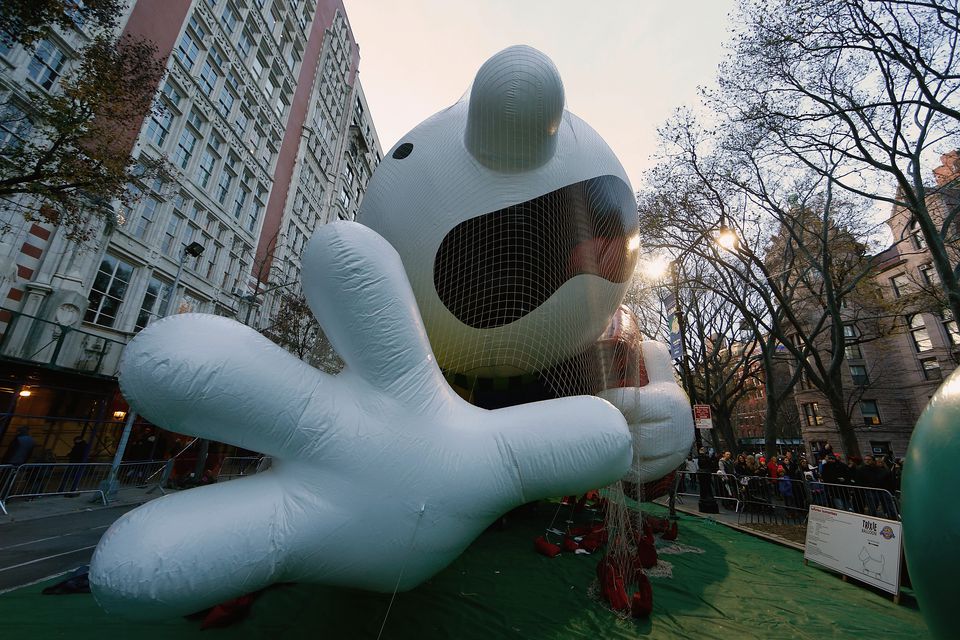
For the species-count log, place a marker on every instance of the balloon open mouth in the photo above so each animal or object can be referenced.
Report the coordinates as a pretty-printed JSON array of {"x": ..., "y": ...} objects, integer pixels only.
[{"x": 498, "y": 267}]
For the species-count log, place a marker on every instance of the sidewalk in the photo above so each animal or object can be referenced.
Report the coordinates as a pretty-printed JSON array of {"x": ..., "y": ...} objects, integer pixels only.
[{"x": 21, "y": 510}]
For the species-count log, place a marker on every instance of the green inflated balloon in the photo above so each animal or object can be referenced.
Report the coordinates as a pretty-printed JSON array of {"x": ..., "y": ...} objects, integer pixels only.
[{"x": 931, "y": 512}]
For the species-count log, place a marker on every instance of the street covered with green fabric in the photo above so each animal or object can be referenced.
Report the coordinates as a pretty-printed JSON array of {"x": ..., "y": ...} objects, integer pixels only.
[{"x": 720, "y": 584}]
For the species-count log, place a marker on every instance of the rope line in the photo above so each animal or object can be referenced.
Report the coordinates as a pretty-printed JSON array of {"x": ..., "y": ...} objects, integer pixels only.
[{"x": 396, "y": 587}]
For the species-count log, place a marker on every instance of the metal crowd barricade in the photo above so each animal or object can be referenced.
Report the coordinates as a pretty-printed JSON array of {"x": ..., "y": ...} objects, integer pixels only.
[
  {"x": 687, "y": 484},
  {"x": 725, "y": 488},
  {"x": 868, "y": 501},
  {"x": 786, "y": 500},
  {"x": 773, "y": 500},
  {"x": 237, "y": 467},
  {"x": 48, "y": 479},
  {"x": 139, "y": 474},
  {"x": 6, "y": 474}
]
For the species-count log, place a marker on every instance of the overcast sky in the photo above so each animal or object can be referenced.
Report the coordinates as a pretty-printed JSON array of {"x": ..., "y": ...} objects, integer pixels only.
[{"x": 626, "y": 64}]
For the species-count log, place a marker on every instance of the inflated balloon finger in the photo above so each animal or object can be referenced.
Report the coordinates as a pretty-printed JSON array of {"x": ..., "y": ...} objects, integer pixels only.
[
  {"x": 658, "y": 415},
  {"x": 381, "y": 475}
]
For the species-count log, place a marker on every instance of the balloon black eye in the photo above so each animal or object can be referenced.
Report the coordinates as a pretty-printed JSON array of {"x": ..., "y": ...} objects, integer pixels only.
[{"x": 403, "y": 151}]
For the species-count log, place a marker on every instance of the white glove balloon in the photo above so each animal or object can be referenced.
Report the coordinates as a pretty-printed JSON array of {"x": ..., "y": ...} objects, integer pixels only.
[{"x": 381, "y": 476}]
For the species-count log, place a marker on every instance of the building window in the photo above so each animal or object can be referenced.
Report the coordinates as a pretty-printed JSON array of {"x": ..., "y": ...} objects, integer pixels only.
[
  {"x": 108, "y": 290},
  {"x": 245, "y": 44},
  {"x": 185, "y": 147},
  {"x": 931, "y": 369},
  {"x": 169, "y": 245},
  {"x": 950, "y": 326},
  {"x": 929, "y": 275},
  {"x": 212, "y": 254},
  {"x": 225, "y": 101},
  {"x": 853, "y": 352},
  {"x": 15, "y": 127},
  {"x": 207, "y": 161},
  {"x": 916, "y": 236},
  {"x": 172, "y": 93},
  {"x": 919, "y": 334},
  {"x": 159, "y": 126},
  {"x": 46, "y": 64},
  {"x": 188, "y": 50},
  {"x": 879, "y": 448},
  {"x": 255, "y": 212},
  {"x": 223, "y": 187},
  {"x": 870, "y": 412},
  {"x": 239, "y": 200},
  {"x": 196, "y": 120},
  {"x": 148, "y": 214},
  {"x": 859, "y": 374},
  {"x": 901, "y": 284},
  {"x": 229, "y": 19},
  {"x": 208, "y": 78},
  {"x": 812, "y": 412},
  {"x": 154, "y": 300}
]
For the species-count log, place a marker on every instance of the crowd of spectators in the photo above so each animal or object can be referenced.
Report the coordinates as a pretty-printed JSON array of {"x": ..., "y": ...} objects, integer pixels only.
[{"x": 793, "y": 479}]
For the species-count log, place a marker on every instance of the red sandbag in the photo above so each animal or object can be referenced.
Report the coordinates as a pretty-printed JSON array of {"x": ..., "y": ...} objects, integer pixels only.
[
  {"x": 226, "y": 613},
  {"x": 612, "y": 587},
  {"x": 545, "y": 547},
  {"x": 647, "y": 529},
  {"x": 671, "y": 533},
  {"x": 656, "y": 525},
  {"x": 646, "y": 553},
  {"x": 569, "y": 544},
  {"x": 641, "y": 606}
]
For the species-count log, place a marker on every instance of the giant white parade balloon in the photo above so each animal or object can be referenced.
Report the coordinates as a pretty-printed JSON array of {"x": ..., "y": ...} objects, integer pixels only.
[
  {"x": 381, "y": 476},
  {"x": 516, "y": 227}
]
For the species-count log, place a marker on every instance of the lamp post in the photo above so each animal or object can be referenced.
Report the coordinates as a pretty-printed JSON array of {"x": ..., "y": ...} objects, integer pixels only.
[
  {"x": 109, "y": 486},
  {"x": 707, "y": 502}
]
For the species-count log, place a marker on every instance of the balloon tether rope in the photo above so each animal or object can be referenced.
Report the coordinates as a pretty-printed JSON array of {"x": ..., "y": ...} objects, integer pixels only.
[{"x": 396, "y": 587}]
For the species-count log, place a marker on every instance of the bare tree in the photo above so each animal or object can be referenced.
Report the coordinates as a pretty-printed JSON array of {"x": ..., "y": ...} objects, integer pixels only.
[
  {"x": 294, "y": 328},
  {"x": 798, "y": 268},
  {"x": 863, "y": 94}
]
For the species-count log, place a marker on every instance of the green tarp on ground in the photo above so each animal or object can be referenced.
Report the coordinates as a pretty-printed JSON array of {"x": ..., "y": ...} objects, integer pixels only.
[{"x": 740, "y": 587}]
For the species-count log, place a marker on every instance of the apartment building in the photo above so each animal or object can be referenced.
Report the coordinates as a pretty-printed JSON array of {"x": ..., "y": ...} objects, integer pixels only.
[
  {"x": 268, "y": 129},
  {"x": 891, "y": 379}
]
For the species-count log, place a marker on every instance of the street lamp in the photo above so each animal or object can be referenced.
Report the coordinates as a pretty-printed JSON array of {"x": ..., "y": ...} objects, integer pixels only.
[{"x": 195, "y": 250}]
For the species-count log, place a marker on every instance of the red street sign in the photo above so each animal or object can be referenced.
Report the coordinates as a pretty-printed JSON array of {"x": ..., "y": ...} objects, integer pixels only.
[{"x": 702, "y": 417}]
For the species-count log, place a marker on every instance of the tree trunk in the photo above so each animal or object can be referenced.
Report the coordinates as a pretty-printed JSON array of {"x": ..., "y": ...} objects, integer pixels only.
[{"x": 848, "y": 436}]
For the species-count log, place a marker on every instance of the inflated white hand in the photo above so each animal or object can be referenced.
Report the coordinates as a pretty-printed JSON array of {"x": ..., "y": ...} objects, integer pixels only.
[
  {"x": 381, "y": 475},
  {"x": 659, "y": 416}
]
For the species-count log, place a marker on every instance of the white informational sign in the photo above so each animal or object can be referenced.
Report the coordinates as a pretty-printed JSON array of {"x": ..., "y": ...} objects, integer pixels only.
[
  {"x": 702, "y": 417},
  {"x": 859, "y": 546}
]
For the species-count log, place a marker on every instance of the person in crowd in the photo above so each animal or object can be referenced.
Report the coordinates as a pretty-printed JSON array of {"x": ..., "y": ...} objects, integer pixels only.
[
  {"x": 20, "y": 449},
  {"x": 73, "y": 474},
  {"x": 897, "y": 472},
  {"x": 789, "y": 465},
  {"x": 876, "y": 482},
  {"x": 774, "y": 470},
  {"x": 740, "y": 468},
  {"x": 688, "y": 479},
  {"x": 79, "y": 450},
  {"x": 726, "y": 463}
]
